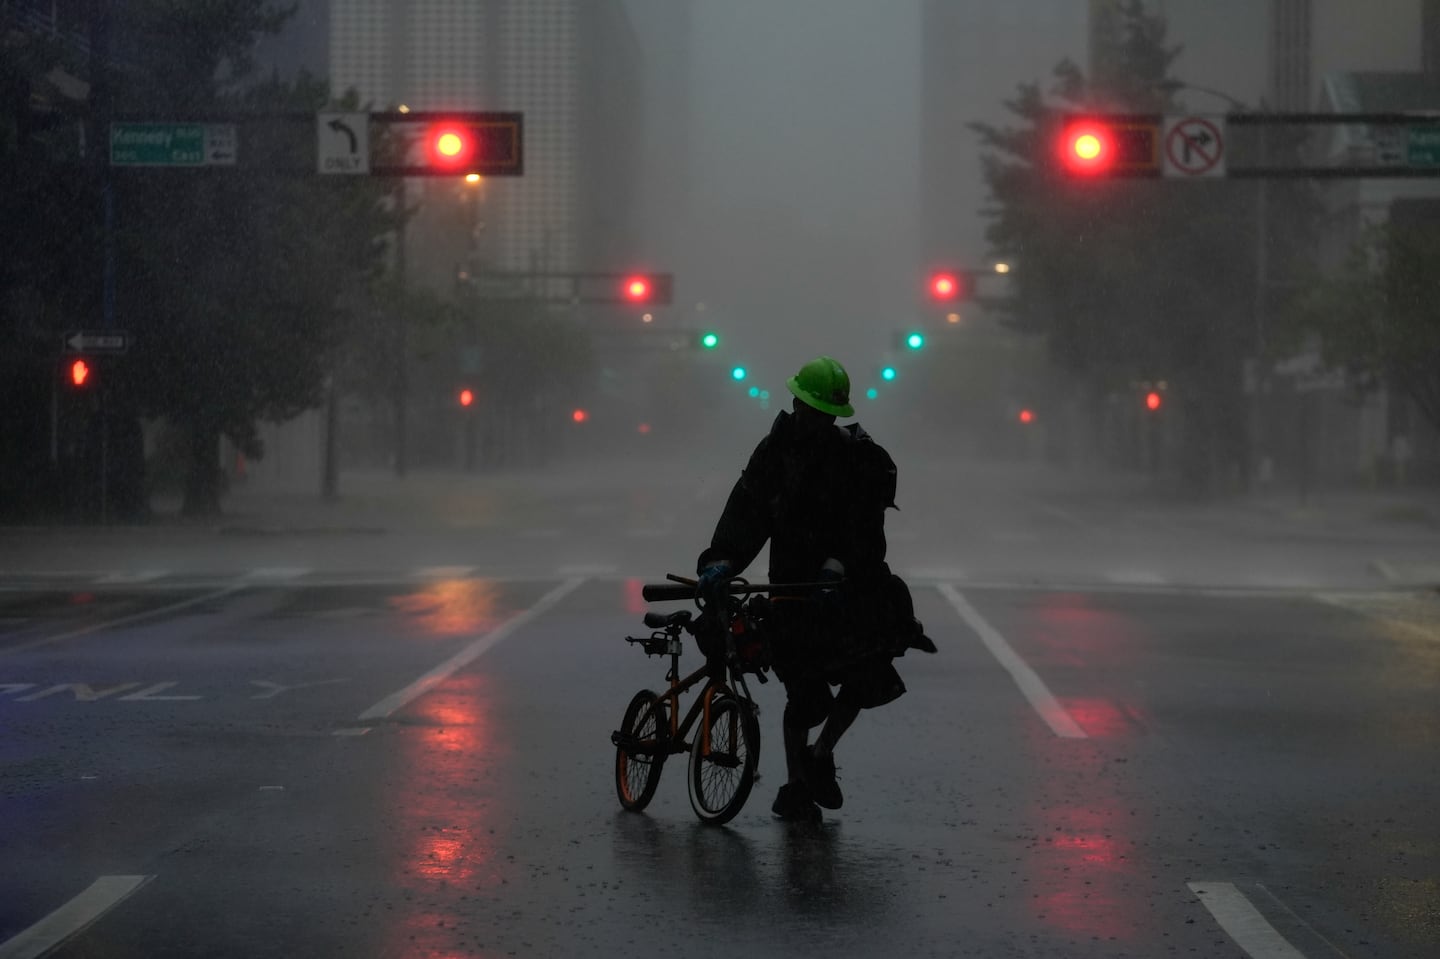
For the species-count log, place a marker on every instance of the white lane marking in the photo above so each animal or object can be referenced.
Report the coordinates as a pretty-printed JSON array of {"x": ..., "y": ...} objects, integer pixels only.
[
  {"x": 122, "y": 621},
  {"x": 1385, "y": 570},
  {"x": 277, "y": 573},
  {"x": 472, "y": 651},
  {"x": 443, "y": 572},
  {"x": 136, "y": 576},
  {"x": 1034, "y": 688},
  {"x": 353, "y": 731},
  {"x": 1243, "y": 922},
  {"x": 74, "y": 917},
  {"x": 581, "y": 569},
  {"x": 1135, "y": 577}
]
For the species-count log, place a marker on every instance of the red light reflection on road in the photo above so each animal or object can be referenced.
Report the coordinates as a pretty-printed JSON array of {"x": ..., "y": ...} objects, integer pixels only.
[
  {"x": 452, "y": 607},
  {"x": 444, "y": 817},
  {"x": 1083, "y": 863}
]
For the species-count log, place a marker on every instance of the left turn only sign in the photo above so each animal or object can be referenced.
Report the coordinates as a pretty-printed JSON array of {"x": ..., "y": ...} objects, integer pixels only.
[{"x": 343, "y": 142}]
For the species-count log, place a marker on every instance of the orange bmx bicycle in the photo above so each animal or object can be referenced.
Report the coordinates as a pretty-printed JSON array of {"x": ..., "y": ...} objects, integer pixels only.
[{"x": 725, "y": 749}]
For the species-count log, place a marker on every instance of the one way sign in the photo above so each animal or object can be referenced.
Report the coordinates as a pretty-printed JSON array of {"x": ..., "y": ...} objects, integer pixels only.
[
  {"x": 343, "y": 142},
  {"x": 97, "y": 341}
]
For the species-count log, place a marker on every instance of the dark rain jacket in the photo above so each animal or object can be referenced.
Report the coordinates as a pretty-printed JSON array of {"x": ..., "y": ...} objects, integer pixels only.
[{"x": 814, "y": 498}]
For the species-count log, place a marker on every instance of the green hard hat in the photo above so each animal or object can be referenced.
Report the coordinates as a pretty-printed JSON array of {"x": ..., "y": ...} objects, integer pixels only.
[{"x": 823, "y": 384}]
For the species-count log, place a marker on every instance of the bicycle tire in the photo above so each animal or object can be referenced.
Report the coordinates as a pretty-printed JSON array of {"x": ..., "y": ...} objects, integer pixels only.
[
  {"x": 720, "y": 780},
  {"x": 646, "y": 722}
]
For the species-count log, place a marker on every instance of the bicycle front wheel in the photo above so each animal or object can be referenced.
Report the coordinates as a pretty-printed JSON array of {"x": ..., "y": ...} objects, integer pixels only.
[
  {"x": 722, "y": 763},
  {"x": 641, "y": 744}
]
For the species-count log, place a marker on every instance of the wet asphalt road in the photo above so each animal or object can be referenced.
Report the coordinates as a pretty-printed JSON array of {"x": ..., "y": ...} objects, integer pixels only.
[{"x": 373, "y": 761}]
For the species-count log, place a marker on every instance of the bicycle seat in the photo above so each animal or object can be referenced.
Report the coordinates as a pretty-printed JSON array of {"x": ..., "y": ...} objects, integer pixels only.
[{"x": 663, "y": 620}]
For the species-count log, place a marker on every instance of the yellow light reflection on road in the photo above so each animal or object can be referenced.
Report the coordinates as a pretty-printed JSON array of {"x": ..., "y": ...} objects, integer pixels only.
[{"x": 451, "y": 607}]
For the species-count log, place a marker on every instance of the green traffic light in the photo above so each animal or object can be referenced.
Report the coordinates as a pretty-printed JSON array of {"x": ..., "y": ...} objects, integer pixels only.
[
  {"x": 738, "y": 373},
  {"x": 871, "y": 393},
  {"x": 754, "y": 392},
  {"x": 888, "y": 373},
  {"x": 709, "y": 341},
  {"x": 915, "y": 341}
]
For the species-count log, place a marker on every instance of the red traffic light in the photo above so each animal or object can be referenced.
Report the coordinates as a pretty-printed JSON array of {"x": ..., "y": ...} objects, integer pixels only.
[
  {"x": 637, "y": 288},
  {"x": 945, "y": 286},
  {"x": 79, "y": 372},
  {"x": 579, "y": 416},
  {"x": 1106, "y": 147},
  {"x": 1026, "y": 416},
  {"x": 1153, "y": 401},
  {"x": 1087, "y": 147},
  {"x": 450, "y": 146},
  {"x": 466, "y": 397}
]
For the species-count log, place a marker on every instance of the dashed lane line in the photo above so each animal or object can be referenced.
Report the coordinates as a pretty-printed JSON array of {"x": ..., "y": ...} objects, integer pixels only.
[
  {"x": 1031, "y": 685},
  {"x": 1243, "y": 922},
  {"x": 472, "y": 651},
  {"x": 156, "y": 613},
  {"x": 74, "y": 917}
]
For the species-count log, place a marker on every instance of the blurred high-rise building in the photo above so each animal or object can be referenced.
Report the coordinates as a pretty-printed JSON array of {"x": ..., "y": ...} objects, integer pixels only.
[
  {"x": 572, "y": 67},
  {"x": 973, "y": 59}
]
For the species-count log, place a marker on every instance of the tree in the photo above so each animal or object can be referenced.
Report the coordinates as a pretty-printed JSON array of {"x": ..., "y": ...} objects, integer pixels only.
[
  {"x": 1128, "y": 280},
  {"x": 1376, "y": 316},
  {"x": 231, "y": 280}
]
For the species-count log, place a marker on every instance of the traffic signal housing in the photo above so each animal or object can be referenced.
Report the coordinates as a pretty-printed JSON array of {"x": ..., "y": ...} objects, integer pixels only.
[
  {"x": 448, "y": 143},
  {"x": 645, "y": 288},
  {"x": 1103, "y": 146}
]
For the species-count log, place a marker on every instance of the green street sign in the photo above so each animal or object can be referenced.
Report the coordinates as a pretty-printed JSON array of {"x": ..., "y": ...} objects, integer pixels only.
[
  {"x": 172, "y": 144},
  {"x": 1424, "y": 146}
]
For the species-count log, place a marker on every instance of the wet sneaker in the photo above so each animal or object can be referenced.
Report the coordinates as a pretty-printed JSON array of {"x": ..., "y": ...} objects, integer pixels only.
[
  {"x": 820, "y": 777},
  {"x": 793, "y": 803}
]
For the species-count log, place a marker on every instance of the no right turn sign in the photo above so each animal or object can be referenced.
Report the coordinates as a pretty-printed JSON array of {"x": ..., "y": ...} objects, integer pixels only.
[{"x": 1193, "y": 146}]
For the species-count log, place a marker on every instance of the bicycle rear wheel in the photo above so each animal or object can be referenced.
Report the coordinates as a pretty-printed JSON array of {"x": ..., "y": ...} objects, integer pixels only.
[
  {"x": 641, "y": 744},
  {"x": 720, "y": 777}
]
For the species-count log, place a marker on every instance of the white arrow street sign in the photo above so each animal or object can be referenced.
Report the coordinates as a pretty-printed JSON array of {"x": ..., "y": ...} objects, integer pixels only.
[{"x": 93, "y": 341}]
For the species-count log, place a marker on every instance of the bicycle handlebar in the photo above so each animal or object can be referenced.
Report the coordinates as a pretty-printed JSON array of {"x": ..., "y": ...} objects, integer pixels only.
[{"x": 659, "y": 592}]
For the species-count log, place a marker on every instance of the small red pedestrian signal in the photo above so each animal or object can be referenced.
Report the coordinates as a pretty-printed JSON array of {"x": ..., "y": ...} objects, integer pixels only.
[
  {"x": 79, "y": 372},
  {"x": 1153, "y": 401},
  {"x": 467, "y": 397}
]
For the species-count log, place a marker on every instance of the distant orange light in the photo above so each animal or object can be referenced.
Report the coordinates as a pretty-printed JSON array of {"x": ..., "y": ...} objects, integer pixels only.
[
  {"x": 1026, "y": 416},
  {"x": 79, "y": 372},
  {"x": 579, "y": 416},
  {"x": 1152, "y": 401},
  {"x": 466, "y": 397}
]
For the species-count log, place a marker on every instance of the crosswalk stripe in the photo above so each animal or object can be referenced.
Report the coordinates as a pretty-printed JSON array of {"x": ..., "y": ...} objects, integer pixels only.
[
  {"x": 277, "y": 572},
  {"x": 1135, "y": 577},
  {"x": 443, "y": 572},
  {"x": 133, "y": 576}
]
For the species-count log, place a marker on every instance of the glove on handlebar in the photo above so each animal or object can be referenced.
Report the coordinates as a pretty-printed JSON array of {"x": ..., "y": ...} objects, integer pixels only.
[{"x": 714, "y": 573}]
